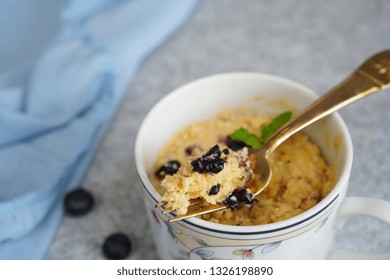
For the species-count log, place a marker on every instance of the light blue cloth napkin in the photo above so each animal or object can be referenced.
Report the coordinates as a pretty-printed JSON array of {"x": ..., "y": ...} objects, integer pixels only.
[{"x": 55, "y": 108}]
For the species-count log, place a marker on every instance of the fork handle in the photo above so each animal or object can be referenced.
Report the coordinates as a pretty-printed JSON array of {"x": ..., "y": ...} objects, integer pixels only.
[{"x": 372, "y": 76}]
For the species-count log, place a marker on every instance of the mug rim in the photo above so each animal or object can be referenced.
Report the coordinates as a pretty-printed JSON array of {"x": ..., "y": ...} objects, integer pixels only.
[{"x": 294, "y": 221}]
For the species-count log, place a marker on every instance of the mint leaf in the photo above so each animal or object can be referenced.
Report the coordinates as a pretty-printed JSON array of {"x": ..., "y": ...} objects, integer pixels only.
[
  {"x": 266, "y": 131},
  {"x": 245, "y": 136}
]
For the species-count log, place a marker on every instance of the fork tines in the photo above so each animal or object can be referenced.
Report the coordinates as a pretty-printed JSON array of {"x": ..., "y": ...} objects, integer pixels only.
[
  {"x": 167, "y": 210},
  {"x": 200, "y": 211}
]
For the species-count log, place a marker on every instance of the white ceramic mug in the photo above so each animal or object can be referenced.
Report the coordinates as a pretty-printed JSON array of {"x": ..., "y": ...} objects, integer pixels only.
[{"x": 309, "y": 235}]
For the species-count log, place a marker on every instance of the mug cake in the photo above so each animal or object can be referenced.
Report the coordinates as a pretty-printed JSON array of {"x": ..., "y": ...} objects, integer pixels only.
[{"x": 203, "y": 161}]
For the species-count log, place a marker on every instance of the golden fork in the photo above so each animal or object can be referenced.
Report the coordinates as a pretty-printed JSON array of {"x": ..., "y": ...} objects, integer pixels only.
[{"x": 372, "y": 76}]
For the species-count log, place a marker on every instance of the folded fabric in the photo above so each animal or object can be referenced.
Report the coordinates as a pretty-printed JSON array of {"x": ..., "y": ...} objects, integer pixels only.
[{"x": 53, "y": 116}]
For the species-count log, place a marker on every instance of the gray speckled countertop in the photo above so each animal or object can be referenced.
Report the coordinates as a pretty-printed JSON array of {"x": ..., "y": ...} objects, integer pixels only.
[{"x": 316, "y": 43}]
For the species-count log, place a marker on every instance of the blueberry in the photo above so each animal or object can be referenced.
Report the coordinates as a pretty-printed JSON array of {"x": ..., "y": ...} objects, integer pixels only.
[
  {"x": 78, "y": 202},
  {"x": 214, "y": 189},
  {"x": 210, "y": 162},
  {"x": 234, "y": 144},
  {"x": 170, "y": 168},
  {"x": 117, "y": 246},
  {"x": 188, "y": 151},
  {"x": 192, "y": 150},
  {"x": 239, "y": 196}
]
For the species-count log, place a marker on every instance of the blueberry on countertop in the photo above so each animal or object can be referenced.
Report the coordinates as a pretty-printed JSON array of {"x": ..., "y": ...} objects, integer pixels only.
[
  {"x": 78, "y": 202},
  {"x": 117, "y": 246}
]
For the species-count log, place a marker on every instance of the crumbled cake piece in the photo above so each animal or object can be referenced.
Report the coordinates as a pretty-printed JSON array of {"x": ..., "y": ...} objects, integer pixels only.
[{"x": 213, "y": 176}]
